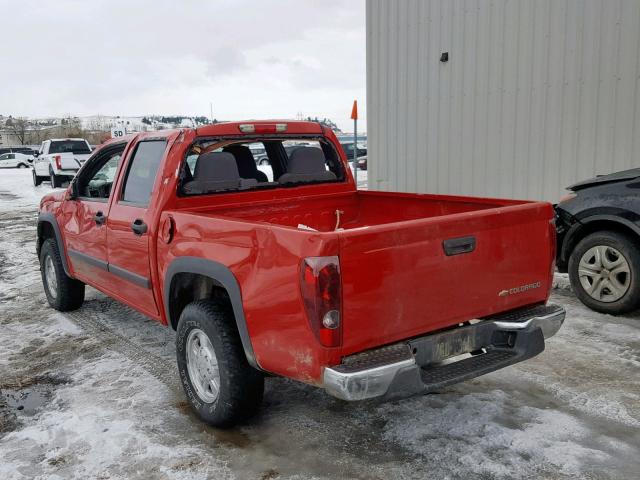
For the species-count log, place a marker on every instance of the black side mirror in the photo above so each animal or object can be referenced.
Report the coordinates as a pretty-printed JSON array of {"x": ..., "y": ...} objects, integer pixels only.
[{"x": 73, "y": 190}]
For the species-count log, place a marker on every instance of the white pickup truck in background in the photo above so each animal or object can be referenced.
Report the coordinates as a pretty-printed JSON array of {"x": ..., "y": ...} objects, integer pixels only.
[{"x": 59, "y": 160}]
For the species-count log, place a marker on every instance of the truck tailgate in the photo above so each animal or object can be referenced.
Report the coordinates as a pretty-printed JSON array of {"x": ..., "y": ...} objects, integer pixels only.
[
  {"x": 398, "y": 281},
  {"x": 68, "y": 161}
]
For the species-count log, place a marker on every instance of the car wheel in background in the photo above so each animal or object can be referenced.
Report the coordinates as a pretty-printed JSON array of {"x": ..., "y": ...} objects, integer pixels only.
[
  {"x": 23, "y": 165},
  {"x": 55, "y": 180},
  {"x": 36, "y": 179},
  {"x": 604, "y": 270},
  {"x": 63, "y": 292},
  {"x": 218, "y": 381}
]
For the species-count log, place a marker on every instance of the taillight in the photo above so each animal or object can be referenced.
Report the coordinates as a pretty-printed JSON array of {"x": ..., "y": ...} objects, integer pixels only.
[
  {"x": 58, "y": 160},
  {"x": 321, "y": 289},
  {"x": 553, "y": 238}
]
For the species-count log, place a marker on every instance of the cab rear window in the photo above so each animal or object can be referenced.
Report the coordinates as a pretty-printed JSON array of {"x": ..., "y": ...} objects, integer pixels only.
[{"x": 78, "y": 147}]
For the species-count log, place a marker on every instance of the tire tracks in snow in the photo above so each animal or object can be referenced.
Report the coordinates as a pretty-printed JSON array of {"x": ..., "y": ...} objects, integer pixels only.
[{"x": 164, "y": 371}]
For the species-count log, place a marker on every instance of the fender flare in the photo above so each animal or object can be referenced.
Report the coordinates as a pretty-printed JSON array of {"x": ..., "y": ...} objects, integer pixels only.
[
  {"x": 48, "y": 217},
  {"x": 222, "y": 275},
  {"x": 584, "y": 222}
]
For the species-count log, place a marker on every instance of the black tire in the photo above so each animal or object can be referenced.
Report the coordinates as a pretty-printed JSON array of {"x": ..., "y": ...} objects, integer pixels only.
[
  {"x": 627, "y": 245},
  {"x": 55, "y": 180},
  {"x": 241, "y": 386},
  {"x": 23, "y": 165},
  {"x": 69, "y": 294},
  {"x": 36, "y": 179}
]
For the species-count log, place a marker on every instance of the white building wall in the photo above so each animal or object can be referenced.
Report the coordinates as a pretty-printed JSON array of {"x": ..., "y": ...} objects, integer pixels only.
[{"x": 537, "y": 94}]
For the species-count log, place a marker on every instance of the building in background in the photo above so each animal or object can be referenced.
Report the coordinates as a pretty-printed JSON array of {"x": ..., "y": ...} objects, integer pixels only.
[{"x": 506, "y": 98}]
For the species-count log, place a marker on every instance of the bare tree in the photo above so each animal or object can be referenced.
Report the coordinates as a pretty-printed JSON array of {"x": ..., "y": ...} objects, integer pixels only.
[{"x": 18, "y": 128}]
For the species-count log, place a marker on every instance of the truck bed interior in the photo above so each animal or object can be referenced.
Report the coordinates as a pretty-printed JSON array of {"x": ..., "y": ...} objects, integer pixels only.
[{"x": 357, "y": 209}]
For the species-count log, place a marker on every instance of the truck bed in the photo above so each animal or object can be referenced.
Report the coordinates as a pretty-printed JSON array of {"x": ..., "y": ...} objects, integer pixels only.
[
  {"x": 398, "y": 280},
  {"x": 357, "y": 210}
]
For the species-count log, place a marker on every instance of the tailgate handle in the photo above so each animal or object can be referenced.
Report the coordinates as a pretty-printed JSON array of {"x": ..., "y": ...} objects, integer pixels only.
[{"x": 457, "y": 246}]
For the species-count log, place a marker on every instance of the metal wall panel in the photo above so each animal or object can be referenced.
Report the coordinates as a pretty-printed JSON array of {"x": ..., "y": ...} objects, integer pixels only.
[{"x": 537, "y": 94}]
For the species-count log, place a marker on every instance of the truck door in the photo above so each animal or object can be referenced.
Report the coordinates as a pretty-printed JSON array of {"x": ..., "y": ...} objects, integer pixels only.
[
  {"x": 129, "y": 226},
  {"x": 83, "y": 221},
  {"x": 41, "y": 163}
]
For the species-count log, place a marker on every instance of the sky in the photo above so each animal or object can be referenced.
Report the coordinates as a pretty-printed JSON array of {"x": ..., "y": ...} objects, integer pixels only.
[{"x": 250, "y": 59}]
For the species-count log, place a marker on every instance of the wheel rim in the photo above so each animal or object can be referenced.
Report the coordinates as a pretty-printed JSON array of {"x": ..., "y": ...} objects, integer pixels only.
[
  {"x": 50, "y": 276},
  {"x": 202, "y": 366},
  {"x": 604, "y": 273}
]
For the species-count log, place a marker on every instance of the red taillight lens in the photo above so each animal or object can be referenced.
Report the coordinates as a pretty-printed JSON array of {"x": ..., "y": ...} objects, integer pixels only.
[
  {"x": 553, "y": 238},
  {"x": 58, "y": 160},
  {"x": 321, "y": 289}
]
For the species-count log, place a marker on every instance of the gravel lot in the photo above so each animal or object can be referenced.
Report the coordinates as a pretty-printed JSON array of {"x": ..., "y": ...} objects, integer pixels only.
[{"x": 94, "y": 394}]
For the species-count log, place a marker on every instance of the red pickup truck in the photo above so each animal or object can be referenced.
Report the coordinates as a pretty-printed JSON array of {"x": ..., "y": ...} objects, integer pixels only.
[{"x": 288, "y": 269}]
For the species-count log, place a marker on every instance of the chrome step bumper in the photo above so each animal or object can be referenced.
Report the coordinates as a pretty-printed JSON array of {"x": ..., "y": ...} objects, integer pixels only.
[{"x": 428, "y": 363}]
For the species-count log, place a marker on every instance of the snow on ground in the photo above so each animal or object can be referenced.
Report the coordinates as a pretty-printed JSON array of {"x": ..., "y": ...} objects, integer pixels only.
[{"x": 94, "y": 394}]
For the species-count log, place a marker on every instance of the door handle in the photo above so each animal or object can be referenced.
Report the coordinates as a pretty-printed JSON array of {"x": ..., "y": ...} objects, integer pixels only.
[
  {"x": 100, "y": 218},
  {"x": 138, "y": 226}
]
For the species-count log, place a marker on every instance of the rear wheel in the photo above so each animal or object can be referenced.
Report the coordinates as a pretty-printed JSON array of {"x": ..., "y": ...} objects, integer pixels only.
[
  {"x": 22, "y": 165},
  {"x": 220, "y": 385},
  {"x": 604, "y": 270},
  {"x": 63, "y": 292},
  {"x": 55, "y": 180},
  {"x": 36, "y": 179}
]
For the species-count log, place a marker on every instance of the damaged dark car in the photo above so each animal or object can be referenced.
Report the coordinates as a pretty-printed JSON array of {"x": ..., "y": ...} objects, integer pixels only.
[{"x": 598, "y": 227}]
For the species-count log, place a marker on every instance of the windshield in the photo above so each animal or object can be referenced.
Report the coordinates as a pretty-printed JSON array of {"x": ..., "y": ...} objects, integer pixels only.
[{"x": 69, "y": 146}]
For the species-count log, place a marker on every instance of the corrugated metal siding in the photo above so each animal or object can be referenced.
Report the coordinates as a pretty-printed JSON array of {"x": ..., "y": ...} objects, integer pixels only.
[{"x": 536, "y": 94}]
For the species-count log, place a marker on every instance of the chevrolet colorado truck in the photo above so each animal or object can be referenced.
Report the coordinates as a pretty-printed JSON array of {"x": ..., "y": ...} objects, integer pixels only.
[
  {"x": 58, "y": 160},
  {"x": 363, "y": 293}
]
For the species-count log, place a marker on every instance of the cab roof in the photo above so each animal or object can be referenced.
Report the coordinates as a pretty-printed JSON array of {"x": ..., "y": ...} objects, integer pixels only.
[{"x": 295, "y": 127}]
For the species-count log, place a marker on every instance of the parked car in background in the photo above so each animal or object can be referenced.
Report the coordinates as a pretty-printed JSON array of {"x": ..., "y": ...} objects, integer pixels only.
[
  {"x": 24, "y": 150},
  {"x": 259, "y": 153},
  {"x": 15, "y": 160},
  {"x": 59, "y": 160},
  {"x": 361, "y": 150},
  {"x": 598, "y": 227},
  {"x": 365, "y": 294}
]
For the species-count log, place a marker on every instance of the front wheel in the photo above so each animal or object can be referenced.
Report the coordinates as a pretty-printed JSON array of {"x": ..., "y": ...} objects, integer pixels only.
[
  {"x": 36, "y": 179},
  {"x": 604, "y": 270},
  {"x": 220, "y": 385},
  {"x": 63, "y": 292}
]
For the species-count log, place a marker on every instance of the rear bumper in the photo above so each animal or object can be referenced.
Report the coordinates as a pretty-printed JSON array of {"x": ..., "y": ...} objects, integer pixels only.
[
  {"x": 428, "y": 363},
  {"x": 66, "y": 172}
]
